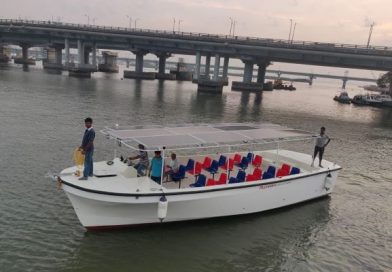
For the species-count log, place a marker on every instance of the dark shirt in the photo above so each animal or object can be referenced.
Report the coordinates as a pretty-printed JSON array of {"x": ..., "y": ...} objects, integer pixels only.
[{"x": 88, "y": 137}]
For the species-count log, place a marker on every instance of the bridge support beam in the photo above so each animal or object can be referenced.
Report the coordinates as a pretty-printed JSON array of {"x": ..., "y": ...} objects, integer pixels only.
[
  {"x": 248, "y": 71},
  {"x": 139, "y": 61},
  {"x": 66, "y": 45},
  {"x": 225, "y": 68},
  {"x": 247, "y": 84},
  {"x": 196, "y": 74},
  {"x": 94, "y": 54},
  {"x": 216, "y": 67},
  {"x": 311, "y": 77},
  {"x": 53, "y": 62},
  {"x": 207, "y": 66},
  {"x": 86, "y": 55},
  {"x": 84, "y": 68},
  {"x": 138, "y": 73},
  {"x": 344, "y": 83},
  {"x": 261, "y": 72},
  {"x": 214, "y": 85},
  {"x": 25, "y": 57},
  {"x": 3, "y": 56},
  {"x": 109, "y": 64},
  {"x": 162, "y": 75}
]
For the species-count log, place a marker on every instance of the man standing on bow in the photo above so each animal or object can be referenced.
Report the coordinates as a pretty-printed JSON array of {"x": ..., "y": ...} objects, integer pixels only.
[
  {"x": 87, "y": 148},
  {"x": 322, "y": 141}
]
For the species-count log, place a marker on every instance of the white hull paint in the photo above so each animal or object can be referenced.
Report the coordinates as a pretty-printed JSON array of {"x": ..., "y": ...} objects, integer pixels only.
[{"x": 97, "y": 210}]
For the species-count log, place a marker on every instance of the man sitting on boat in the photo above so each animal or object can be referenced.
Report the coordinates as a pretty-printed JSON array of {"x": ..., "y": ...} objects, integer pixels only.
[
  {"x": 172, "y": 167},
  {"x": 143, "y": 163}
]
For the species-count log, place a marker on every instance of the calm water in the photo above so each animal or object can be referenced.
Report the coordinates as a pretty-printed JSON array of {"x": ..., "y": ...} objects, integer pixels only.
[{"x": 41, "y": 119}]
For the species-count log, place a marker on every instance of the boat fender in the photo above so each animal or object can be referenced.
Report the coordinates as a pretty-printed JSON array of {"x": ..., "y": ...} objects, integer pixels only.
[
  {"x": 162, "y": 208},
  {"x": 328, "y": 181}
]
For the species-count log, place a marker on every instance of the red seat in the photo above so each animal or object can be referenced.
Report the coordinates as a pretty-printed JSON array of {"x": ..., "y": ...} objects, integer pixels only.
[
  {"x": 196, "y": 170},
  {"x": 222, "y": 179},
  {"x": 207, "y": 162},
  {"x": 210, "y": 182},
  {"x": 281, "y": 173},
  {"x": 255, "y": 176},
  {"x": 228, "y": 165},
  {"x": 285, "y": 168},
  {"x": 257, "y": 161},
  {"x": 237, "y": 158}
]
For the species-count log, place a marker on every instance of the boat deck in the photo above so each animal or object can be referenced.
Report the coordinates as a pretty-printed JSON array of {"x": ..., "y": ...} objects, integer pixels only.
[{"x": 119, "y": 178}]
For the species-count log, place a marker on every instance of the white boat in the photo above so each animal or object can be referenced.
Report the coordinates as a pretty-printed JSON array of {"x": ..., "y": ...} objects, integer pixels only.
[{"x": 115, "y": 197}]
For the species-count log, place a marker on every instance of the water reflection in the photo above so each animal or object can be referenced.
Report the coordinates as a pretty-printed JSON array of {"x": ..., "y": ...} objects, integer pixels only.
[
  {"x": 207, "y": 105},
  {"x": 253, "y": 242},
  {"x": 250, "y": 106}
]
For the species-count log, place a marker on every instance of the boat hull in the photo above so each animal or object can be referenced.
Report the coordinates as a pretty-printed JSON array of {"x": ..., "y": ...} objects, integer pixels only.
[{"x": 98, "y": 210}]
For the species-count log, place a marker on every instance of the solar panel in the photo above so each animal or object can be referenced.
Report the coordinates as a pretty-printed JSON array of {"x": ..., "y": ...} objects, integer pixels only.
[{"x": 203, "y": 134}]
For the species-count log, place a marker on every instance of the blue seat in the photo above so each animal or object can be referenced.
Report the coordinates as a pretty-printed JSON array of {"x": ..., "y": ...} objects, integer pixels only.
[
  {"x": 222, "y": 160},
  {"x": 249, "y": 157},
  {"x": 244, "y": 163},
  {"x": 201, "y": 181},
  {"x": 190, "y": 165},
  {"x": 240, "y": 177},
  {"x": 214, "y": 167},
  {"x": 272, "y": 170},
  {"x": 267, "y": 175},
  {"x": 180, "y": 175},
  {"x": 295, "y": 170}
]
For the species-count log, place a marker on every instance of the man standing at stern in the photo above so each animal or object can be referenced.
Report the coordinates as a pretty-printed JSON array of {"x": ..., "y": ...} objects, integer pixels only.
[{"x": 88, "y": 148}]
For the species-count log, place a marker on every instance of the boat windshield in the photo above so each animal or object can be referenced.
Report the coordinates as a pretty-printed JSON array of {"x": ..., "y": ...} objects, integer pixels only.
[{"x": 190, "y": 136}]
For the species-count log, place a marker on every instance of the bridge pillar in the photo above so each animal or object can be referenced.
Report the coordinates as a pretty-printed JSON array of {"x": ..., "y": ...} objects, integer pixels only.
[
  {"x": 344, "y": 83},
  {"x": 248, "y": 71},
  {"x": 84, "y": 68},
  {"x": 162, "y": 67},
  {"x": 311, "y": 77},
  {"x": 261, "y": 72},
  {"x": 247, "y": 84},
  {"x": 94, "y": 56},
  {"x": 196, "y": 74},
  {"x": 80, "y": 52},
  {"x": 53, "y": 61},
  {"x": 207, "y": 66},
  {"x": 59, "y": 55},
  {"x": 216, "y": 67},
  {"x": 66, "y": 45},
  {"x": 86, "y": 55},
  {"x": 225, "y": 68},
  {"x": 139, "y": 61},
  {"x": 109, "y": 64},
  {"x": 138, "y": 73},
  {"x": 25, "y": 57},
  {"x": 3, "y": 56}
]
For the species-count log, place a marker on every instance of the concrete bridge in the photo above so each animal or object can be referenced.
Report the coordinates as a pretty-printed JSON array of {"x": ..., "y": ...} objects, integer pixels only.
[{"x": 252, "y": 51}]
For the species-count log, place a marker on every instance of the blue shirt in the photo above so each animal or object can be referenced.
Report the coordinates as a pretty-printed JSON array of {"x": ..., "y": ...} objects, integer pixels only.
[
  {"x": 88, "y": 137},
  {"x": 156, "y": 167}
]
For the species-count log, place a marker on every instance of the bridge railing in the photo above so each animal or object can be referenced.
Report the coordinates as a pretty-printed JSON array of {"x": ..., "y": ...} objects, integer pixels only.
[{"x": 255, "y": 41}]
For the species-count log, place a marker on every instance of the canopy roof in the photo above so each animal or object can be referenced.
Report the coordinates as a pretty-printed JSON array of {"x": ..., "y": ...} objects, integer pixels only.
[{"x": 202, "y": 135}]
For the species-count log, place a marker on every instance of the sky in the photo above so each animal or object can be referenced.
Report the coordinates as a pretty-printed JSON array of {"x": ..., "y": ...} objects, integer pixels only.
[{"x": 334, "y": 21}]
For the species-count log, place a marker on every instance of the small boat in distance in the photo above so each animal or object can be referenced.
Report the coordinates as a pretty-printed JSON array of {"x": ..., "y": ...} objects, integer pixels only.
[
  {"x": 342, "y": 97},
  {"x": 224, "y": 171}
]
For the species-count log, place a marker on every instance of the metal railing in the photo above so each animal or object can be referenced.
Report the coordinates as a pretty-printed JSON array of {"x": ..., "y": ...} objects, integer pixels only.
[{"x": 225, "y": 39}]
